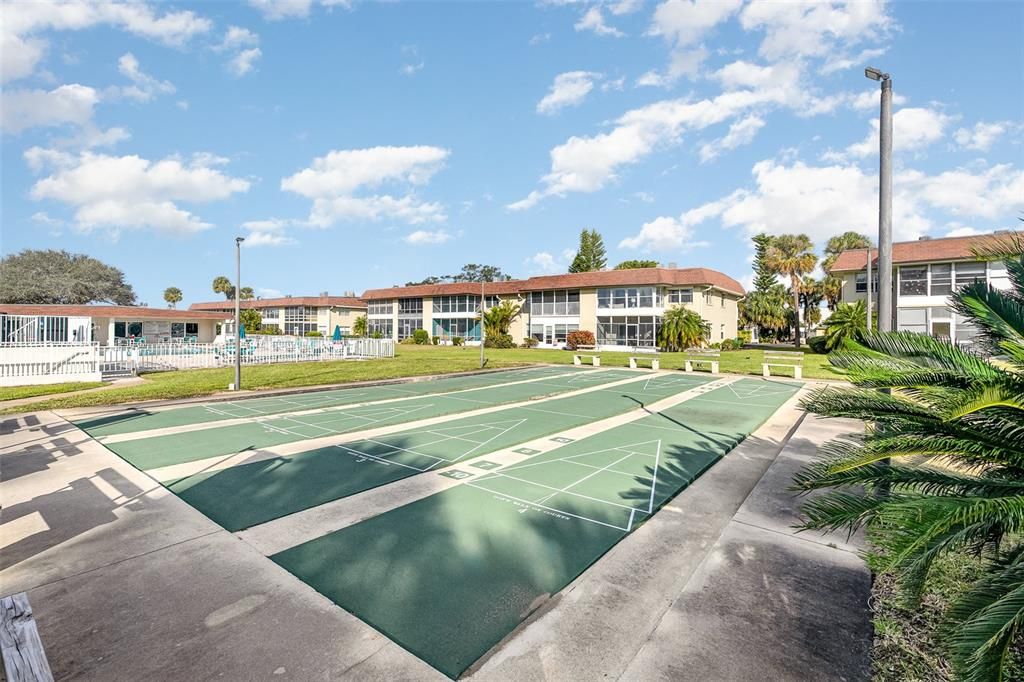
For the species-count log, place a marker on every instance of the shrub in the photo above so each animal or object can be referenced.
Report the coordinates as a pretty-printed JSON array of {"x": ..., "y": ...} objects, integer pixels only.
[
  {"x": 313, "y": 333},
  {"x": 529, "y": 342},
  {"x": 499, "y": 341},
  {"x": 270, "y": 329},
  {"x": 745, "y": 336},
  {"x": 421, "y": 337},
  {"x": 817, "y": 344},
  {"x": 376, "y": 335},
  {"x": 579, "y": 338},
  {"x": 437, "y": 340},
  {"x": 457, "y": 341},
  {"x": 726, "y": 344},
  {"x": 716, "y": 345},
  {"x": 408, "y": 341}
]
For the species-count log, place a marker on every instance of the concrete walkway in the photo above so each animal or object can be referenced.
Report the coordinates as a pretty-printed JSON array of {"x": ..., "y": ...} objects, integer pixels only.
[{"x": 129, "y": 582}]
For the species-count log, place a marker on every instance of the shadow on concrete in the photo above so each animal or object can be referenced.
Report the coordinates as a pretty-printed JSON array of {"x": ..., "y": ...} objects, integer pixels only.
[{"x": 77, "y": 508}]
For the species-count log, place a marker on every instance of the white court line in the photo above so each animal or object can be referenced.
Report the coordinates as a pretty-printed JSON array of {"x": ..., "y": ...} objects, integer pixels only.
[
  {"x": 515, "y": 467},
  {"x": 548, "y": 487},
  {"x": 590, "y": 475},
  {"x": 356, "y": 453},
  {"x": 534, "y": 504}
]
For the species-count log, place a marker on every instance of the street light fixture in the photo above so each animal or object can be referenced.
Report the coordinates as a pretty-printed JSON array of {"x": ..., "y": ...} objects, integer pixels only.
[
  {"x": 238, "y": 322},
  {"x": 884, "y": 200}
]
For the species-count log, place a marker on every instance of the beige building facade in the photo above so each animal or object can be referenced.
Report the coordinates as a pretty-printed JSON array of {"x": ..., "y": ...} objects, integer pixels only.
[
  {"x": 623, "y": 308},
  {"x": 299, "y": 315}
]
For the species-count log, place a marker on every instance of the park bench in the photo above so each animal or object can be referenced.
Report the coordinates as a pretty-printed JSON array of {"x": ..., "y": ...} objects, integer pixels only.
[
  {"x": 587, "y": 352},
  {"x": 783, "y": 358},
  {"x": 645, "y": 355},
  {"x": 701, "y": 356}
]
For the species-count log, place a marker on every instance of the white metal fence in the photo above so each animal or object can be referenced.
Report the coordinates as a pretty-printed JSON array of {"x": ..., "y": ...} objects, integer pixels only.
[{"x": 40, "y": 363}]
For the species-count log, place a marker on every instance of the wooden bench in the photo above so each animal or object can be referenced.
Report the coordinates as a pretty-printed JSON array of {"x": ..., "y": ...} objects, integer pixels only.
[
  {"x": 587, "y": 352},
  {"x": 783, "y": 358},
  {"x": 650, "y": 357},
  {"x": 701, "y": 356}
]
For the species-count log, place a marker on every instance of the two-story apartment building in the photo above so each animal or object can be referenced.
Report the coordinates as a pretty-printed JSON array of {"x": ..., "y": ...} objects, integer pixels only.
[
  {"x": 622, "y": 307},
  {"x": 298, "y": 315},
  {"x": 925, "y": 273}
]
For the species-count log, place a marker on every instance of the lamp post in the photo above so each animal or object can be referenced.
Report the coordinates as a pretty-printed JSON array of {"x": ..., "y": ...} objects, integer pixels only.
[
  {"x": 869, "y": 285},
  {"x": 884, "y": 201},
  {"x": 238, "y": 314}
]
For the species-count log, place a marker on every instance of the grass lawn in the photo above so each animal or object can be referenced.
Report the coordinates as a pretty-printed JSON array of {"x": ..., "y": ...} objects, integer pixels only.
[
  {"x": 16, "y": 392},
  {"x": 409, "y": 361}
]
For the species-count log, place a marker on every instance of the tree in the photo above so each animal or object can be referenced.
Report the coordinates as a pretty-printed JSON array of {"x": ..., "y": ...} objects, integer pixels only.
[
  {"x": 480, "y": 273},
  {"x": 251, "y": 319},
  {"x": 246, "y": 294},
  {"x": 223, "y": 285},
  {"x": 791, "y": 255},
  {"x": 832, "y": 287},
  {"x": 60, "y": 277},
  {"x": 682, "y": 328},
  {"x": 591, "y": 254},
  {"x": 765, "y": 307},
  {"x": 811, "y": 296},
  {"x": 359, "y": 326},
  {"x": 951, "y": 424},
  {"x": 634, "y": 264},
  {"x": 173, "y": 296},
  {"x": 846, "y": 323},
  {"x": 498, "y": 319}
]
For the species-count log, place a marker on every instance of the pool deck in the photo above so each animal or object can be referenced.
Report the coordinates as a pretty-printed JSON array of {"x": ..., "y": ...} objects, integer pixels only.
[{"x": 127, "y": 581}]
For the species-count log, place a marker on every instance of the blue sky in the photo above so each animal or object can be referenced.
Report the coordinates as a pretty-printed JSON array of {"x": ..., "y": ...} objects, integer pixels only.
[{"x": 363, "y": 144}]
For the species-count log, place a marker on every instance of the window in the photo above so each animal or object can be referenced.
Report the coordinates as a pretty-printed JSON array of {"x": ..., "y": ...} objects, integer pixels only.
[
  {"x": 561, "y": 302},
  {"x": 680, "y": 296},
  {"x": 448, "y": 328},
  {"x": 410, "y": 306},
  {"x": 941, "y": 279},
  {"x": 723, "y": 300},
  {"x": 641, "y": 297},
  {"x": 379, "y": 307},
  {"x": 707, "y": 297},
  {"x": 408, "y": 325},
  {"x": 969, "y": 273},
  {"x": 177, "y": 330},
  {"x": 300, "y": 319},
  {"x": 861, "y": 286},
  {"x": 191, "y": 328},
  {"x": 631, "y": 330},
  {"x": 460, "y": 303},
  {"x": 380, "y": 326},
  {"x": 912, "y": 320},
  {"x": 914, "y": 280}
]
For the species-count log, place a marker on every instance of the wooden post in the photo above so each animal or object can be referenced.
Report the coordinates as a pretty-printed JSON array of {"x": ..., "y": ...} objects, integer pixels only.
[{"x": 24, "y": 658}]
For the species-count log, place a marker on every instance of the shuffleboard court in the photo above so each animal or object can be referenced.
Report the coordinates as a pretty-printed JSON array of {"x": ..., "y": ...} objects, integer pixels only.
[
  {"x": 449, "y": 576},
  {"x": 143, "y": 420},
  {"x": 191, "y": 446},
  {"x": 257, "y": 492}
]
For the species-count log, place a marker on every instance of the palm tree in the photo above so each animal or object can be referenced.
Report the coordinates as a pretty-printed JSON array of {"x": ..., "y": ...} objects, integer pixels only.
[
  {"x": 847, "y": 322},
  {"x": 223, "y": 285},
  {"x": 497, "y": 319},
  {"x": 791, "y": 255},
  {"x": 359, "y": 326},
  {"x": 173, "y": 296},
  {"x": 682, "y": 328},
  {"x": 952, "y": 423},
  {"x": 832, "y": 287}
]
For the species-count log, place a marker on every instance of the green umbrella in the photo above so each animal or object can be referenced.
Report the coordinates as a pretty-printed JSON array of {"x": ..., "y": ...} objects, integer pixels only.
[{"x": 337, "y": 332}]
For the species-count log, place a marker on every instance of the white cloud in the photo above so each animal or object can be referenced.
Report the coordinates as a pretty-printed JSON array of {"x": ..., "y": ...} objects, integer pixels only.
[
  {"x": 68, "y": 104},
  {"x": 982, "y": 136},
  {"x": 625, "y": 7},
  {"x": 823, "y": 200},
  {"x": 684, "y": 23},
  {"x": 914, "y": 128},
  {"x": 414, "y": 63},
  {"x": 333, "y": 181},
  {"x": 569, "y": 89},
  {"x": 119, "y": 192},
  {"x": 236, "y": 37},
  {"x": 869, "y": 100},
  {"x": 842, "y": 62},
  {"x": 268, "y": 232},
  {"x": 651, "y": 79},
  {"x": 244, "y": 62},
  {"x": 809, "y": 28},
  {"x": 540, "y": 39},
  {"x": 266, "y": 292},
  {"x": 21, "y": 50},
  {"x": 740, "y": 133},
  {"x": 676, "y": 234},
  {"x": 275, "y": 10},
  {"x": 586, "y": 164},
  {"x": 593, "y": 20},
  {"x": 420, "y": 237},
  {"x": 547, "y": 263},
  {"x": 616, "y": 84},
  {"x": 144, "y": 87}
]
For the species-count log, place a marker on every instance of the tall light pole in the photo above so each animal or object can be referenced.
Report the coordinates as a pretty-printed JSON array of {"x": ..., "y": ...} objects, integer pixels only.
[
  {"x": 884, "y": 200},
  {"x": 869, "y": 285},
  {"x": 238, "y": 313},
  {"x": 483, "y": 308}
]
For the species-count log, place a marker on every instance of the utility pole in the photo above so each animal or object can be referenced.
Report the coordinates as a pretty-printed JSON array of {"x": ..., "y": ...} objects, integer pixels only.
[
  {"x": 884, "y": 200},
  {"x": 869, "y": 286},
  {"x": 483, "y": 309},
  {"x": 238, "y": 313}
]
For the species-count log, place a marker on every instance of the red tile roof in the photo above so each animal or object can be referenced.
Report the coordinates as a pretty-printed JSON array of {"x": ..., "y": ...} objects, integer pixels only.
[
  {"x": 125, "y": 311},
  {"x": 924, "y": 250},
  {"x": 450, "y": 289},
  {"x": 601, "y": 278},
  {"x": 319, "y": 301}
]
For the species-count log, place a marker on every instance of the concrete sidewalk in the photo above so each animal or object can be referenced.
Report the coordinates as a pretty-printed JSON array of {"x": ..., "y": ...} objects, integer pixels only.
[{"x": 129, "y": 582}]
